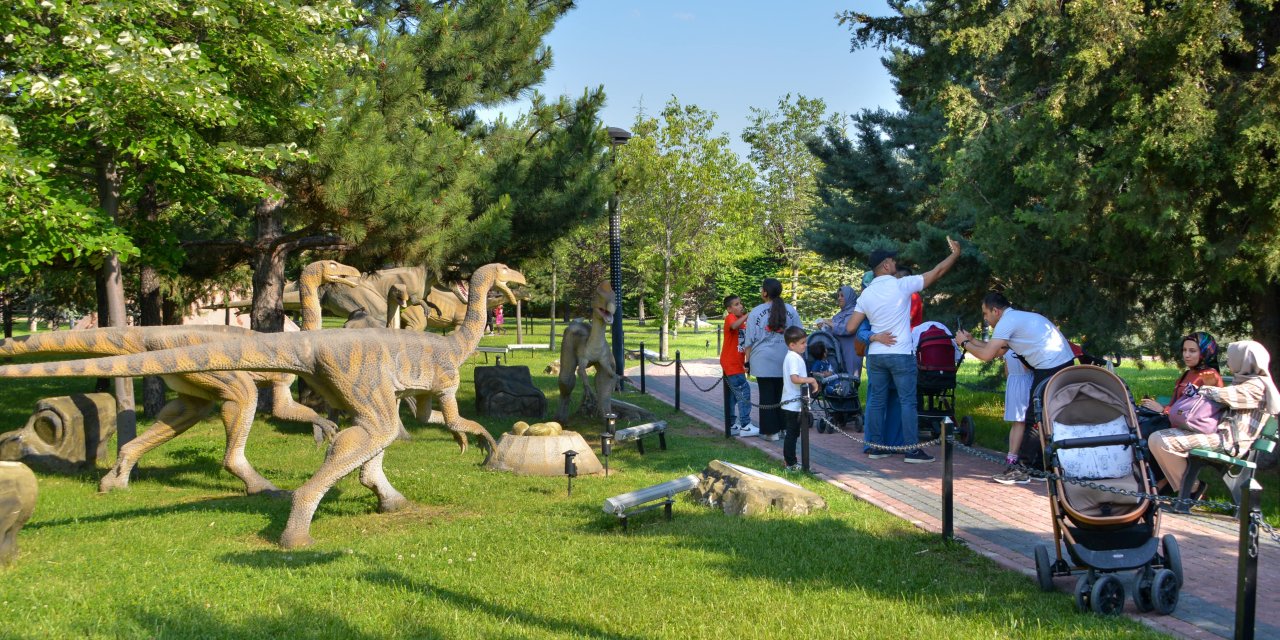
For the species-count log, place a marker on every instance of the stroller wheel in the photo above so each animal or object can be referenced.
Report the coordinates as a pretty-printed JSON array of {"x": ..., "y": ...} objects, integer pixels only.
[
  {"x": 1044, "y": 570},
  {"x": 967, "y": 431},
  {"x": 1084, "y": 591},
  {"x": 1108, "y": 596},
  {"x": 821, "y": 424},
  {"x": 1172, "y": 556},
  {"x": 1164, "y": 592},
  {"x": 856, "y": 421},
  {"x": 1142, "y": 583}
]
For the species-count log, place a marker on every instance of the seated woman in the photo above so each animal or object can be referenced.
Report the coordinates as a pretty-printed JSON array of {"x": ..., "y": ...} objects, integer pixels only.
[
  {"x": 1249, "y": 401},
  {"x": 1200, "y": 354}
]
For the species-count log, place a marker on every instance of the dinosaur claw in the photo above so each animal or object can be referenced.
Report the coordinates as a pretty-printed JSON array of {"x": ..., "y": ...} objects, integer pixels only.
[{"x": 323, "y": 430}]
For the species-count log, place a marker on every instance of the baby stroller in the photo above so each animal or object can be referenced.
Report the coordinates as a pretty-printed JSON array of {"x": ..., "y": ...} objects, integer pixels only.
[
  {"x": 936, "y": 366},
  {"x": 838, "y": 403},
  {"x": 1089, "y": 432}
]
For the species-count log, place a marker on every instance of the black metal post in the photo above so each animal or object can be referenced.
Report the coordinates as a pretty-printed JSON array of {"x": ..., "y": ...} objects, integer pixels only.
[
  {"x": 642, "y": 359},
  {"x": 570, "y": 468},
  {"x": 805, "y": 417},
  {"x": 677, "y": 379},
  {"x": 948, "y": 532},
  {"x": 719, "y": 330},
  {"x": 616, "y": 137},
  {"x": 728, "y": 408},
  {"x": 606, "y": 449},
  {"x": 1247, "y": 558}
]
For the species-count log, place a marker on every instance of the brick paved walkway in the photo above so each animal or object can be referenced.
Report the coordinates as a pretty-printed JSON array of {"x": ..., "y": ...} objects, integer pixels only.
[{"x": 1005, "y": 523}]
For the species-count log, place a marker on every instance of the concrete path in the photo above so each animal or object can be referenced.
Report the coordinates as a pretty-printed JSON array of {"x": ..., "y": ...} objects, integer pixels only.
[{"x": 1004, "y": 523}]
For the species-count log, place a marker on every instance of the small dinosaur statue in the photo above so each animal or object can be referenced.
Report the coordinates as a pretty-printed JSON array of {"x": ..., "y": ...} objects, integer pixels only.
[
  {"x": 361, "y": 371},
  {"x": 584, "y": 345},
  {"x": 198, "y": 393}
]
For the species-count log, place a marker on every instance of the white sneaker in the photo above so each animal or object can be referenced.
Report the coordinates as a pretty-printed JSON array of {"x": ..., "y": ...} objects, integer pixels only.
[{"x": 748, "y": 431}]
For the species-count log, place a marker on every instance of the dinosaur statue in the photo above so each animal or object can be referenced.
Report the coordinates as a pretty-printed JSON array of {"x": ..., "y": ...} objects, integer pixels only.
[
  {"x": 197, "y": 392},
  {"x": 584, "y": 345},
  {"x": 361, "y": 371}
]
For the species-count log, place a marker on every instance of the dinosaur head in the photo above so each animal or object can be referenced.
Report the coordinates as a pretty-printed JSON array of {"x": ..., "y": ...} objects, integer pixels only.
[
  {"x": 503, "y": 276},
  {"x": 398, "y": 296},
  {"x": 330, "y": 271},
  {"x": 604, "y": 302}
]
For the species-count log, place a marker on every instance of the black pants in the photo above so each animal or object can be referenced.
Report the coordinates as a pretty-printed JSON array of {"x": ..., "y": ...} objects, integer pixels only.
[
  {"x": 1031, "y": 453},
  {"x": 770, "y": 393},
  {"x": 792, "y": 421}
]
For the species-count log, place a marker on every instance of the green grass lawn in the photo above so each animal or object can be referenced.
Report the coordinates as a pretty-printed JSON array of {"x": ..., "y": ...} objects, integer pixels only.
[{"x": 184, "y": 554}]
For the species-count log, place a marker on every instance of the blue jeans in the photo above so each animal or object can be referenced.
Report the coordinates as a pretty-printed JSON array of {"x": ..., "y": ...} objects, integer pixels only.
[
  {"x": 896, "y": 372},
  {"x": 740, "y": 408}
]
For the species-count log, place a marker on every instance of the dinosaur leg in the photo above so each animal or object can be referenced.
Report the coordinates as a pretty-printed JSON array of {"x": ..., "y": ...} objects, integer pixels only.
[
  {"x": 568, "y": 374},
  {"x": 371, "y": 476},
  {"x": 460, "y": 425},
  {"x": 420, "y": 407},
  {"x": 283, "y": 406},
  {"x": 176, "y": 417},
  {"x": 605, "y": 381},
  {"x": 350, "y": 449},
  {"x": 238, "y": 407}
]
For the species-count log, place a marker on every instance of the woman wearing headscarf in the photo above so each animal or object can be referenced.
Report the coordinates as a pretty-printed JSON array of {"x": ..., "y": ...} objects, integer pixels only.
[
  {"x": 1249, "y": 401},
  {"x": 1200, "y": 354},
  {"x": 846, "y": 297},
  {"x": 765, "y": 349}
]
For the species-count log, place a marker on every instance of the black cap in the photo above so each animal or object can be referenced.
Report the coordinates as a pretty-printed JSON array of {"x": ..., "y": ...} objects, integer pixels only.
[{"x": 880, "y": 255}]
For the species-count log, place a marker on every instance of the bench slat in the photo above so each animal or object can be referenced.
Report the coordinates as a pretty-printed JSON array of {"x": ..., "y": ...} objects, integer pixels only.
[
  {"x": 639, "y": 431},
  {"x": 618, "y": 505}
]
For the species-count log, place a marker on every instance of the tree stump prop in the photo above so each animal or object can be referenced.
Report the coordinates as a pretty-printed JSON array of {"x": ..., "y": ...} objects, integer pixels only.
[{"x": 65, "y": 434}]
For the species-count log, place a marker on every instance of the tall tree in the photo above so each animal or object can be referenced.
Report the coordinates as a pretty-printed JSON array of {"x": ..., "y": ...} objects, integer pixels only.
[
  {"x": 688, "y": 200},
  {"x": 787, "y": 172}
]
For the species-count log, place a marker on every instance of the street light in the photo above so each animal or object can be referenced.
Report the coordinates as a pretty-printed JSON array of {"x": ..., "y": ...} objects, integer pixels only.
[{"x": 617, "y": 137}]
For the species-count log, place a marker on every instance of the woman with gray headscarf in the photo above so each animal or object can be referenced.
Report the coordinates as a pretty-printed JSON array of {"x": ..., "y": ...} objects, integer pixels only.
[
  {"x": 1250, "y": 400},
  {"x": 846, "y": 297}
]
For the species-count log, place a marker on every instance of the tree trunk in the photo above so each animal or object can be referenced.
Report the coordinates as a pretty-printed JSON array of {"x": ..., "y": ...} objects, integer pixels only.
[
  {"x": 8, "y": 316},
  {"x": 795, "y": 284},
  {"x": 519, "y": 321},
  {"x": 267, "y": 314},
  {"x": 112, "y": 291},
  {"x": 1266, "y": 322},
  {"x": 666, "y": 307},
  {"x": 33, "y": 317},
  {"x": 149, "y": 304},
  {"x": 642, "y": 308},
  {"x": 553, "y": 306}
]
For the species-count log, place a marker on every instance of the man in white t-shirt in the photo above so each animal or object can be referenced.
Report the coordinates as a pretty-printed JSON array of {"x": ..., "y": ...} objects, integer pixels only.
[
  {"x": 886, "y": 303},
  {"x": 1036, "y": 340}
]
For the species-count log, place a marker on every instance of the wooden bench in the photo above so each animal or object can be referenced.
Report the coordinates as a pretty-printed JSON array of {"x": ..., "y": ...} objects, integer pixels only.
[
  {"x": 498, "y": 351},
  {"x": 1197, "y": 459},
  {"x": 530, "y": 346},
  {"x": 642, "y": 431},
  {"x": 649, "y": 498}
]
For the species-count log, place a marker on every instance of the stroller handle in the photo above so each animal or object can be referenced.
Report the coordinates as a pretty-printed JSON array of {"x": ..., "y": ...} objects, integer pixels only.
[{"x": 1093, "y": 441}]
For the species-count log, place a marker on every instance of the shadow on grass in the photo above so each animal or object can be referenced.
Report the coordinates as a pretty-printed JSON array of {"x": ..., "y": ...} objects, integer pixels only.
[
  {"x": 197, "y": 622},
  {"x": 279, "y": 559},
  {"x": 465, "y": 602},
  {"x": 278, "y": 510}
]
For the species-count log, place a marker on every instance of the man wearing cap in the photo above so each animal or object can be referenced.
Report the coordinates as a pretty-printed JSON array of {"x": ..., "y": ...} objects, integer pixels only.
[{"x": 886, "y": 303}]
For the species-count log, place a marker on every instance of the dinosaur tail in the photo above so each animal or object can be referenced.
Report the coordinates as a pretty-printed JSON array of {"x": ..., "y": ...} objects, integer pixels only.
[
  {"x": 288, "y": 353},
  {"x": 105, "y": 341}
]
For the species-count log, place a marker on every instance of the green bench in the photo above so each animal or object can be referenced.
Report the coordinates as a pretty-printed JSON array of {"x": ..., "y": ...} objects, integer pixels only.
[{"x": 1197, "y": 459}]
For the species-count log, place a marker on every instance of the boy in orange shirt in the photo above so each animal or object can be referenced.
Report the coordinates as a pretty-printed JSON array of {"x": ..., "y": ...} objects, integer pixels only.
[{"x": 735, "y": 373}]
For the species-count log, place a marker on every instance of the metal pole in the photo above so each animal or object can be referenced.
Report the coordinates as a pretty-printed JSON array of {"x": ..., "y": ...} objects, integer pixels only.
[
  {"x": 642, "y": 360},
  {"x": 1247, "y": 558},
  {"x": 805, "y": 417},
  {"x": 553, "y": 304},
  {"x": 948, "y": 532},
  {"x": 615, "y": 271},
  {"x": 677, "y": 379},
  {"x": 719, "y": 330},
  {"x": 728, "y": 409}
]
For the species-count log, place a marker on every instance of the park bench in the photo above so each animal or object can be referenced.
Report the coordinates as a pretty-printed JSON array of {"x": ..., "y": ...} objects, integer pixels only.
[
  {"x": 530, "y": 347},
  {"x": 498, "y": 351},
  {"x": 1197, "y": 459},
  {"x": 642, "y": 431},
  {"x": 641, "y": 500}
]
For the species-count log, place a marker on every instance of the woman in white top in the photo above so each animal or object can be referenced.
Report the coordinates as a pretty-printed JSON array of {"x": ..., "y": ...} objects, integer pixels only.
[{"x": 765, "y": 350}]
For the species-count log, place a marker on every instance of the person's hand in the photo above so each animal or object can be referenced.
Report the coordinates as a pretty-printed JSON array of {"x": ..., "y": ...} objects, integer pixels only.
[
  {"x": 962, "y": 335},
  {"x": 814, "y": 383},
  {"x": 1150, "y": 403},
  {"x": 955, "y": 246},
  {"x": 885, "y": 337}
]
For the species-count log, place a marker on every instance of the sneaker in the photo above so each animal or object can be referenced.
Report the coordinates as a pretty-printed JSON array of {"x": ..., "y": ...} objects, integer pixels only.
[
  {"x": 734, "y": 431},
  {"x": 917, "y": 456},
  {"x": 747, "y": 432},
  {"x": 771, "y": 437},
  {"x": 794, "y": 468},
  {"x": 1037, "y": 478},
  {"x": 1012, "y": 475},
  {"x": 876, "y": 454}
]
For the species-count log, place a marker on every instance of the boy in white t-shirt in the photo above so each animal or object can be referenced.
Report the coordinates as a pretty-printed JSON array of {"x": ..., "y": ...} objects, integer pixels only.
[{"x": 794, "y": 374}]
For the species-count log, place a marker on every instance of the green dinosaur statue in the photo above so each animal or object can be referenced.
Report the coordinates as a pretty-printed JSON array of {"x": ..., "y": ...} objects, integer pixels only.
[
  {"x": 197, "y": 392},
  {"x": 361, "y": 371}
]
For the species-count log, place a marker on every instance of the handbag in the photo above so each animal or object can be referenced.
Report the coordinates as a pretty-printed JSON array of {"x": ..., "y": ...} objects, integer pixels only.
[{"x": 1196, "y": 412}]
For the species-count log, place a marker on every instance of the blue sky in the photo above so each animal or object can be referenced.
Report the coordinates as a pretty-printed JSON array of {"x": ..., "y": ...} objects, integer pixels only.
[{"x": 724, "y": 56}]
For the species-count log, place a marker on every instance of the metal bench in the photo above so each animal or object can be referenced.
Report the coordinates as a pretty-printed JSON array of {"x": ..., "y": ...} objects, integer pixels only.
[
  {"x": 498, "y": 351},
  {"x": 641, "y": 500},
  {"x": 641, "y": 431},
  {"x": 530, "y": 346},
  {"x": 1197, "y": 459}
]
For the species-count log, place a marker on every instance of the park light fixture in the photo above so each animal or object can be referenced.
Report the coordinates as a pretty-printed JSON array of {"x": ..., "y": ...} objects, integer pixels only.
[
  {"x": 617, "y": 138},
  {"x": 570, "y": 468}
]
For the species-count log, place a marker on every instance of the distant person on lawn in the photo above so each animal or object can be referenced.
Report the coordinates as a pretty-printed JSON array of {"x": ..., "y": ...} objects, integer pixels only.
[{"x": 735, "y": 373}]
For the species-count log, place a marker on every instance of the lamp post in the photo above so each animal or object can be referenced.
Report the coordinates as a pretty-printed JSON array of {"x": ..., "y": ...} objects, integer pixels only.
[{"x": 617, "y": 137}]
